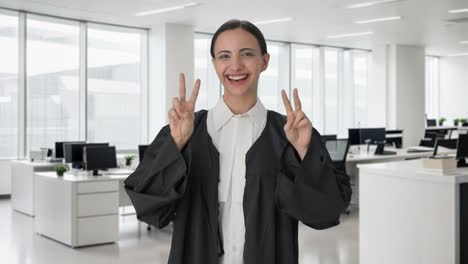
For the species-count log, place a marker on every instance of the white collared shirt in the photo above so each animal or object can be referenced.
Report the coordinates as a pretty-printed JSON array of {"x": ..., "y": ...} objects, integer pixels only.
[{"x": 233, "y": 135}]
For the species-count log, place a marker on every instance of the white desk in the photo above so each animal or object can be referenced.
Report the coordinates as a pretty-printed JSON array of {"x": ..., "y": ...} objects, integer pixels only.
[
  {"x": 409, "y": 215},
  {"x": 22, "y": 183},
  {"x": 78, "y": 210},
  {"x": 364, "y": 157}
]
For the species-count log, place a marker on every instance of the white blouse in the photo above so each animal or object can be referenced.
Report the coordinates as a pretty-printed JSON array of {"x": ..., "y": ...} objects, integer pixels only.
[{"x": 233, "y": 135}]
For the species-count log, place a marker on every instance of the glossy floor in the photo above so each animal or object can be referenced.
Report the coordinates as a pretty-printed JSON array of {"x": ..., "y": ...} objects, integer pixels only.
[{"x": 20, "y": 245}]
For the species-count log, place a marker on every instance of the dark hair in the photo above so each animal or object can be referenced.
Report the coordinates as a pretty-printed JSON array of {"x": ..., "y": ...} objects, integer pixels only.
[{"x": 243, "y": 24}]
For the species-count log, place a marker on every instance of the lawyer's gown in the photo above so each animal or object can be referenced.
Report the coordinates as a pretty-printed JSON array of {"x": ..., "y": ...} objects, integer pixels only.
[{"x": 280, "y": 190}]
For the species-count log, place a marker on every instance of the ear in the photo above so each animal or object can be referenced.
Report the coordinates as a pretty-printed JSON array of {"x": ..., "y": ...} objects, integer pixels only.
[{"x": 265, "y": 61}]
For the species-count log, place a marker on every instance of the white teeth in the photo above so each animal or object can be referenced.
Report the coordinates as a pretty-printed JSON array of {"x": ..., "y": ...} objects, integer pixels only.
[{"x": 237, "y": 77}]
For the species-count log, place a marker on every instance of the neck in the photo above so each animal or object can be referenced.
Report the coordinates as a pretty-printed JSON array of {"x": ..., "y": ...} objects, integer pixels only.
[{"x": 240, "y": 104}]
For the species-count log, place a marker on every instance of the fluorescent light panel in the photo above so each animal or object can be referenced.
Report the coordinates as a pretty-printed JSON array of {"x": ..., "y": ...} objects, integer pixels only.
[
  {"x": 464, "y": 42},
  {"x": 351, "y": 35},
  {"x": 371, "y": 3},
  {"x": 286, "y": 19},
  {"x": 458, "y": 10},
  {"x": 163, "y": 10},
  {"x": 458, "y": 54},
  {"x": 378, "y": 20}
]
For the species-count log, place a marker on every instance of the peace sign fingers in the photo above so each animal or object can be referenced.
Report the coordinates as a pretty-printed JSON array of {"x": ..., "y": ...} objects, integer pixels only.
[
  {"x": 286, "y": 102},
  {"x": 196, "y": 89}
]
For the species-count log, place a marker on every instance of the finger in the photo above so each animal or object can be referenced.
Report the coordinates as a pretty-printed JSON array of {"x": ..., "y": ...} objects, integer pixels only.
[
  {"x": 303, "y": 123},
  {"x": 196, "y": 89},
  {"x": 176, "y": 105},
  {"x": 182, "y": 87},
  {"x": 297, "y": 101},
  {"x": 290, "y": 121},
  {"x": 173, "y": 114},
  {"x": 286, "y": 102},
  {"x": 299, "y": 117}
]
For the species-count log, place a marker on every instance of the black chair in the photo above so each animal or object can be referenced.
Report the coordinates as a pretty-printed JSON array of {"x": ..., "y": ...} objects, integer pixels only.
[
  {"x": 430, "y": 139},
  {"x": 446, "y": 143},
  {"x": 338, "y": 150},
  {"x": 328, "y": 137}
]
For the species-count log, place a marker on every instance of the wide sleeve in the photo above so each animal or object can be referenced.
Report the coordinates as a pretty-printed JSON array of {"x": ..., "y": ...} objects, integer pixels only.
[
  {"x": 159, "y": 181},
  {"x": 312, "y": 190}
]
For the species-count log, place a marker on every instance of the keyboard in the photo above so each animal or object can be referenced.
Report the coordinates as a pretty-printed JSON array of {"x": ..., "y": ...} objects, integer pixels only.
[{"x": 117, "y": 172}]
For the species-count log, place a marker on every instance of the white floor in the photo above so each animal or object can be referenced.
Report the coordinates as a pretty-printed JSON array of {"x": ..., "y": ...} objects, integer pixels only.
[{"x": 20, "y": 245}]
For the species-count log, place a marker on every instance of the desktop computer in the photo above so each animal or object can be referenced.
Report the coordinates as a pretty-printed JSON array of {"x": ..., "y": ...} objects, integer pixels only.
[
  {"x": 59, "y": 147},
  {"x": 99, "y": 158},
  {"x": 370, "y": 136},
  {"x": 462, "y": 151},
  {"x": 141, "y": 151},
  {"x": 73, "y": 153},
  {"x": 446, "y": 143}
]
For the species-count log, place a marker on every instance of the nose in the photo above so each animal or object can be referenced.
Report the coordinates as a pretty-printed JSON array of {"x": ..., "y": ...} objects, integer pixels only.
[{"x": 236, "y": 63}]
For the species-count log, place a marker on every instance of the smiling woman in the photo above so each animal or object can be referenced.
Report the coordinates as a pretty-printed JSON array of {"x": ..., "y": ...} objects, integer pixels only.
[{"x": 236, "y": 179}]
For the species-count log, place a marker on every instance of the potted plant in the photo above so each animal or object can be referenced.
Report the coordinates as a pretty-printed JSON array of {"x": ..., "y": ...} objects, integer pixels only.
[
  {"x": 441, "y": 121},
  {"x": 128, "y": 159},
  {"x": 456, "y": 121},
  {"x": 463, "y": 121},
  {"x": 61, "y": 169}
]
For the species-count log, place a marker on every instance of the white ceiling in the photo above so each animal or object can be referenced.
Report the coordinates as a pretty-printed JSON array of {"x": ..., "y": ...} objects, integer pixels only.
[{"x": 424, "y": 21}]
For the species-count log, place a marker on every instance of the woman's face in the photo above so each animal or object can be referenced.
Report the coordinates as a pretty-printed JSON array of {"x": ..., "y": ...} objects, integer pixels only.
[{"x": 238, "y": 62}]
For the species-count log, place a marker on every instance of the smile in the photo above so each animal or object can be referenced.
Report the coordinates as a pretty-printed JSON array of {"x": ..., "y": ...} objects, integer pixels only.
[{"x": 237, "y": 77}]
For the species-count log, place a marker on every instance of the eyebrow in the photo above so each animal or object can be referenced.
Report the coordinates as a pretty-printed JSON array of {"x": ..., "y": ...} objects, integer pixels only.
[{"x": 241, "y": 50}]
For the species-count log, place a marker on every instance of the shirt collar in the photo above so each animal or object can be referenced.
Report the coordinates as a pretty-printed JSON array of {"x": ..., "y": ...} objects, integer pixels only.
[{"x": 222, "y": 114}]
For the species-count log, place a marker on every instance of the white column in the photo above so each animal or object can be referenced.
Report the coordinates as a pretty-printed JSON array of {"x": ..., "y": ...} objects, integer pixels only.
[
  {"x": 406, "y": 93},
  {"x": 170, "y": 52}
]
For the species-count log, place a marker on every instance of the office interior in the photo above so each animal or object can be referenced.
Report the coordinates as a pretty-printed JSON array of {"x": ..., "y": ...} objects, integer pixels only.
[{"x": 384, "y": 82}]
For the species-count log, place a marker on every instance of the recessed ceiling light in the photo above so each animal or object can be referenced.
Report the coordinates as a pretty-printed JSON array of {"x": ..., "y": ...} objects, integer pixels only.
[
  {"x": 371, "y": 3},
  {"x": 377, "y": 20},
  {"x": 458, "y": 10},
  {"x": 458, "y": 54},
  {"x": 464, "y": 42},
  {"x": 286, "y": 19},
  {"x": 167, "y": 9},
  {"x": 351, "y": 35}
]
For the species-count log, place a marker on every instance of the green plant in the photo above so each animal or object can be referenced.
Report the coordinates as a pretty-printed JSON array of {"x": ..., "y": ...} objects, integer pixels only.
[
  {"x": 61, "y": 169},
  {"x": 441, "y": 121},
  {"x": 463, "y": 120},
  {"x": 128, "y": 159},
  {"x": 456, "y": 121}
]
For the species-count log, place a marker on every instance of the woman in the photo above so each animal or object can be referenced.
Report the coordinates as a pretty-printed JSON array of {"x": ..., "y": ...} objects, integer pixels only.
[{"x": 236, "y": 179}]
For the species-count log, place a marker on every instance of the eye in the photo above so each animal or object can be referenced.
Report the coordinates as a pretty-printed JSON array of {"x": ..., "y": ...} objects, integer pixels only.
[
  {"x": 223, "y": 56},
  {"x": 247, "y": 54}
]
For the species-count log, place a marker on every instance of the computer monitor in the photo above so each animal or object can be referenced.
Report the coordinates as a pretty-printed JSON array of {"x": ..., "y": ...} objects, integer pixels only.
[
  {"x": 141, "y": 151},
  {"x": 59, "y": 147},
  {"x": 373, "y": 135},
  {"x": 431, "y": 122},
  {"x": 446, "y": 143},
  {"x": 73, "y": 152},
  {"x": 462, "y": 150},
  {"x": 354, "y": 136},
  {"x": 99, "y": 158}
]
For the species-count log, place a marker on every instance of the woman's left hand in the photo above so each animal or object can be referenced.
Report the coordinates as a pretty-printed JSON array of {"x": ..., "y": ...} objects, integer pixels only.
[{"x": 298, "y": 127}]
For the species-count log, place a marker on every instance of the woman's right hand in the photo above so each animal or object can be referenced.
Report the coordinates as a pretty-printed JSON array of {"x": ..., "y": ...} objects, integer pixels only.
[{"x": 182, "y": 114}]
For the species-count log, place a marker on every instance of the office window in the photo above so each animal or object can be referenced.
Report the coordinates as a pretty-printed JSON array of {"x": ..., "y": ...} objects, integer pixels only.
[
  {"x": 432, "y": 87},
  {"x": 360, "y": 74},
  {"x": 275, "y": 78},
  {"x": 114, "y": 94},
  {"x": 52, "y": 85},
  {"x": 305, "y": 70},
  {"x": 331, "y": 56},
  {"x": 8, "y": 85},
  {"x": 210, "y": 89}
]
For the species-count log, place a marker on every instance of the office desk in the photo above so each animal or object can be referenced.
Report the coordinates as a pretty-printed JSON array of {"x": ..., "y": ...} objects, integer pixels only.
[
  {"x": 22, "y": 183},
  {"x": 78, "y": 210},
  {"x": 409, "y": 215},
  {"x": 364, "y": 157}
]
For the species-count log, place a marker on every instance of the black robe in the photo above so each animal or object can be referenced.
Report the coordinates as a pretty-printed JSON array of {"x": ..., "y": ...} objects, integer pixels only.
[{"x": 182, "y": 186}]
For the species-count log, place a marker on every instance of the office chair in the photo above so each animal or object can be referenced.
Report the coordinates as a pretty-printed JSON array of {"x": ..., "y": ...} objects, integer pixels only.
[
  {"x": 338, "y": 150},
  {"x": 430, "y": 139},
  {"x": 328, "y": 137}
]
